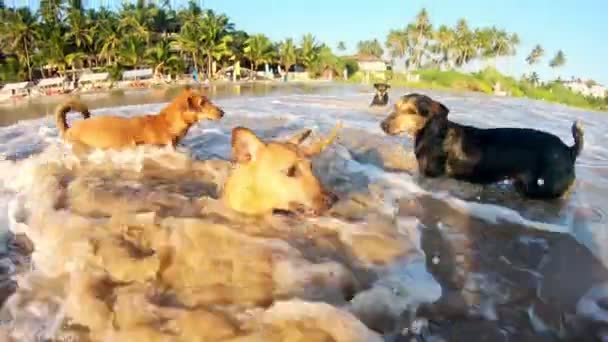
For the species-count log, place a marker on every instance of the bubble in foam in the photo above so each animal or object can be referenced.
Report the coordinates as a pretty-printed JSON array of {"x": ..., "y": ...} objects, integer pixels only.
[{"x": 436, "y": 260}]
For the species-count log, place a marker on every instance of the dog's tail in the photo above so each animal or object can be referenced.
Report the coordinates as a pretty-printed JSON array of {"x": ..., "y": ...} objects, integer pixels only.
[
  {"x": 63, "y": 109},
  {"x": 578, "y": 135}
]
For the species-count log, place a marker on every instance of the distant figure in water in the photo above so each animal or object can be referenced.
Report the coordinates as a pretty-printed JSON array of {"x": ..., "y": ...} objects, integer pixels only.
[
  {"x": 381, "y": 97},
  {"x": 195, "y": 75}
]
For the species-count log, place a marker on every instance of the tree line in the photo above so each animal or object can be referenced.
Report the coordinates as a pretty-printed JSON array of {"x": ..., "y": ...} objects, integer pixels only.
[
  {"x": 63, "y": 36},
  {"x": 420, "y": 45}
]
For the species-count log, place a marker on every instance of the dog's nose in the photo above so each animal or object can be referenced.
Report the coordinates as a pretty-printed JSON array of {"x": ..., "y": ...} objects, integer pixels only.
[
  {"x": 384, "y": 126},
  {"x": 329, "y": 199},
  {"x": 221, "y": 113}
]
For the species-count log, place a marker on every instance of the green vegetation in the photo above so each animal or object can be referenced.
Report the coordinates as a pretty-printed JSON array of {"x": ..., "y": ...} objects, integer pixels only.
[
  {"x": 484, "y": 80},
  {"x": 370, "y": 48},
  {"x": 63, "y": 37},
  {"x": 439, "y": 55}
]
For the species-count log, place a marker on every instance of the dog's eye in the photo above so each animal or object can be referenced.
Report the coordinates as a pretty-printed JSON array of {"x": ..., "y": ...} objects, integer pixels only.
[{"x": 291, "y": 171}]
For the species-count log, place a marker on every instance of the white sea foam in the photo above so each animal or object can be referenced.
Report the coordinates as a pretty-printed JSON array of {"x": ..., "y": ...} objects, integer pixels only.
[{"x": 30, "y": 145}]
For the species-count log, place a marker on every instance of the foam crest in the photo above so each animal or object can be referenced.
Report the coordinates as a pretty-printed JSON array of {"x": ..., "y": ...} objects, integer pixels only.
[{"x": 103, "y": 262}]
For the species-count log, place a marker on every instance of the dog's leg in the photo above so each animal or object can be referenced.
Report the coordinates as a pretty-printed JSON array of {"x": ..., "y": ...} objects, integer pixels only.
[
  {"x": 171, "y": 146},
  {"x": 80, "y": 149}
]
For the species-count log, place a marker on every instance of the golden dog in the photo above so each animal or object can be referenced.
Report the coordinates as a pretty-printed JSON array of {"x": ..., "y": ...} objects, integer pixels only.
[
  {"x": 113, "y": 132},
  {"x": 275, "y": 175}
]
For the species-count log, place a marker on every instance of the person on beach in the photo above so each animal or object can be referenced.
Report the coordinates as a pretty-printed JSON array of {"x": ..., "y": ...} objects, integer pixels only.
[{"x": 237, "y": 71}]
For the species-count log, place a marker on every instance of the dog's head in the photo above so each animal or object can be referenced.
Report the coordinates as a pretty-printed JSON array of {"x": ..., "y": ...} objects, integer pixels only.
[
  {"x": 275, "y": 175},
  {"x": 411, "y": 113},
  {"x": 381, "y": 87},
  {"x": 193, "y": 106}
]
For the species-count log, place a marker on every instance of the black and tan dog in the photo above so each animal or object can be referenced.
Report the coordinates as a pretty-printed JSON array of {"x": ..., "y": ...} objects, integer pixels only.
[
  {"x": 381, "y": 97},
  {"x": 539, "y": 163}
]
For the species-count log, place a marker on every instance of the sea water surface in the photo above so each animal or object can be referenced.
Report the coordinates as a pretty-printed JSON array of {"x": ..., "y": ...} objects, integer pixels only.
[{"x": 488, "y": 260}]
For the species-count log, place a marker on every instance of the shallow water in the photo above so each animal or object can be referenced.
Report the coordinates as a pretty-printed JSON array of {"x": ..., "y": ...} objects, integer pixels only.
[{"x": 495, "y": 259}]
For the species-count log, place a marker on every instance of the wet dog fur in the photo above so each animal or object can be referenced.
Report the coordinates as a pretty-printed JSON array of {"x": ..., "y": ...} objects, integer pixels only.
[
  {"x": 113, "y": 132},
  {"x": 277, "y": 175},
  {"x": 381, "y": 97},
  {"x": 539, "y": 163}
]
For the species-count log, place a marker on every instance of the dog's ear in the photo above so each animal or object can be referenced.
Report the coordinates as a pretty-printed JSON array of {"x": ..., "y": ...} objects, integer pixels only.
[
  {"x": 437, "y": 125},
  {"x": 439, "y": 109},
  {"x": 320, "y": 145},
  {"x": 195, "y": 102},
  {"x": 245, "y": 145},
  {"x": 299, "y": 138}
]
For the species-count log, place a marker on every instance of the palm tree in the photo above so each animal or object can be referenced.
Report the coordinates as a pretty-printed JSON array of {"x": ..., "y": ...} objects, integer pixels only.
[
  {"x": 75, "y": 60},
  {"x": 484, "y": 42},
  {"x": 20, "y": 33},
  {"x": 158, "y": 55},
  {"x": 513, "y": 43},
  {"x": 238, "y": 44},
  {"x": 223, "y": 51},
  {"x": 287, "y": 54},
  {"x": 535, "y": 55},
  {"x": 104, "y": 33},
  {"x": 78, "y": 32},
  {"x": 397, "y": 43},
  {"x": 309, "y": 50},
  {"x": 558, "y": 61},
  {"x": 502, "y": 43},
  {"x": 370, "y": 48},
  {"x": 187, "y": 43},
  {"x": 258, "y": 49},
  {"x": 135, "y": 21},
  {"x": 166, "y": 21},
  {"x": 131, "y": 52},
  {"x": 215, "y": 38},
  {"x": 50, "y": 11},
  {"x": 464, "y": 43},
  {"x": 108, "y": 43},
  {"x": 53, "y": 50},
  {"x": 341, "y": 46},
  {"x": 325, "y": 60},
  {"x": 444, "y": 44},
  {"x": 422, "y": 29},
  {"x": 534, "y": 79}
]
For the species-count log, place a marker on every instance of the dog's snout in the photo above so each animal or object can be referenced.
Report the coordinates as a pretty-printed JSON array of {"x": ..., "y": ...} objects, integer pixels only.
[
  {"x": 384, "y": 126},
  {"x": 221, "y": 112},
  {"x": 329, "y": 199}
]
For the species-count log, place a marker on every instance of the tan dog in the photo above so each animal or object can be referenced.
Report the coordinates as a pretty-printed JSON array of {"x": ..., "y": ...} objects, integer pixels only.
[
  {"x": 113, "y": 132},
  {"x": 275, "y": 175}
]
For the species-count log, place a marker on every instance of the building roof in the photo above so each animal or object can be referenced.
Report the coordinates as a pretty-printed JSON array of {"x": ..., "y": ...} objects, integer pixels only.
[
  {"x": 16, "y": 86},
  {"x": 94, "y": 77},
  {"x": 140, "y": 73},
  {"x": 53, "y": 81},
  {"x": 367, "y": 58}
]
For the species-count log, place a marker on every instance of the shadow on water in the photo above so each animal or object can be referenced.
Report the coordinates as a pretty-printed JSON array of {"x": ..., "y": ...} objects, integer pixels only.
[{"x": 493, "y": 275}]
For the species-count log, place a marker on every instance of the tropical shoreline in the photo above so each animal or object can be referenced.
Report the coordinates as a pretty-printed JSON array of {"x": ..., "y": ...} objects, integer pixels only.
[
  {"x": 191, "y": 43},
  {"x": 486, "y": 80},
  {"x": 457, "y": 85}
]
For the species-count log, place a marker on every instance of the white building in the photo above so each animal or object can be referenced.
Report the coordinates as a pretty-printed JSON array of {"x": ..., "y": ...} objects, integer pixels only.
[
  {"x": 370, "y": 63},
  {"x": 578, "y": 86},
  {"x": 598, "y": 91}
]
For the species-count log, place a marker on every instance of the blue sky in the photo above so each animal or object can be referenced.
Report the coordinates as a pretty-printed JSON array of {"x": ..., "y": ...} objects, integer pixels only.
[{"x": 579, "y": 28}]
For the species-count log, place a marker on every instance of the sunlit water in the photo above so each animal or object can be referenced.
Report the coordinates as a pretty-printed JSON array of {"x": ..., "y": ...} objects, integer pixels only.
[{"x": 483, "y": 250}]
